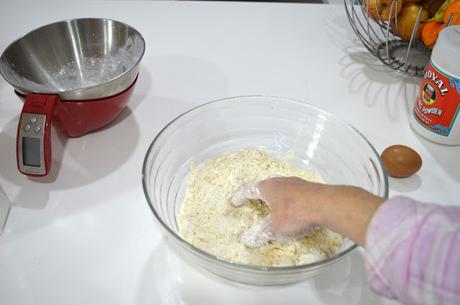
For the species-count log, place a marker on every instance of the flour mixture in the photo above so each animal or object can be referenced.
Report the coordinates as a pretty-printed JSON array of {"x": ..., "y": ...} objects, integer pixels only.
[{"x": 210, "y": 222}]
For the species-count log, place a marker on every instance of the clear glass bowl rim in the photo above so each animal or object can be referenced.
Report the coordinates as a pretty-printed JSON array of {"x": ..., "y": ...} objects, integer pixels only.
[{"x": 246, "y": 267}]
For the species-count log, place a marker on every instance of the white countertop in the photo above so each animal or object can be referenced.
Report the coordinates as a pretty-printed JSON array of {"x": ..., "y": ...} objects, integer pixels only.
[{"x": 85, "y": 235}]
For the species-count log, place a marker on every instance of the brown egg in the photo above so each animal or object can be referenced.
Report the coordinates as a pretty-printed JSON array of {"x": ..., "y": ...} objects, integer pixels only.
[{"x": 401, "y": 161}]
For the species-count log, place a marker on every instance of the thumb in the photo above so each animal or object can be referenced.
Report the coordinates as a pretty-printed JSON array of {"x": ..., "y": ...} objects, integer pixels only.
[
  {"x": 259, "y": 234},
  {"x": 245, "y": 193},
  {"x": 262, "y": 232}
]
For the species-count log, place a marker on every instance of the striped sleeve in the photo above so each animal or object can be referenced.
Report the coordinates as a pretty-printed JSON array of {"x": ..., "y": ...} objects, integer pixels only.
[{"x": 413, "y": 252}]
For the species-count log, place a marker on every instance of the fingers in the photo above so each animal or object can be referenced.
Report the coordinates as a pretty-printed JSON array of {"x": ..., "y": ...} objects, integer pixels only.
[
  {"x": 250, "y": 191},
  {"x": 262, "y": 232},
  {"x": 301, "y": 233},
  {"x": 259, "y": 234},
  {"x": 247, "y": 192}
]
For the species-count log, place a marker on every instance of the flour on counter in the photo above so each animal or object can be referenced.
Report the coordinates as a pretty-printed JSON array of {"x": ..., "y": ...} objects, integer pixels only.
[{"x": 210, "y": 222}]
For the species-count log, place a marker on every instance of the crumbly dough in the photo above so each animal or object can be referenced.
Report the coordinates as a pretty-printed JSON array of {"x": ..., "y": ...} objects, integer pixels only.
[{"x": 210, "y": 222}]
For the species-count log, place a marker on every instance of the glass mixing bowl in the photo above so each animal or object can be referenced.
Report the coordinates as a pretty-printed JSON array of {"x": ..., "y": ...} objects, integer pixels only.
[{"x": 321, "y": 141}]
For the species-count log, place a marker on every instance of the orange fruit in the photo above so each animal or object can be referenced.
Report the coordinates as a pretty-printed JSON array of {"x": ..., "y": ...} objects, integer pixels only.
[
  {"x": 430, "y": 32},
  {"x": 407, "y": 18},
  {"x": 382, "y": 9},
  {"x": 390, "y": 8},
  {"x": 454, "y": 10}
]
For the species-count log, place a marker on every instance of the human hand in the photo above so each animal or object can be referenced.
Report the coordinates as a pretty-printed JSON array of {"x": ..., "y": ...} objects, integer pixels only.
[
  {"x": 289, "y": 217},
  {"x": 298, "y": 206}
]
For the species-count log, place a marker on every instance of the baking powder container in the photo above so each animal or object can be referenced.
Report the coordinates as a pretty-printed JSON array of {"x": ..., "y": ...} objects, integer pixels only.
[{"x": 435, "y": 113}]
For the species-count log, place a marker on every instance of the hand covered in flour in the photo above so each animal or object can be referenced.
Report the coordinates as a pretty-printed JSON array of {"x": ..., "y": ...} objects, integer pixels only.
[
  {"x": 298, "y": 206},
  {"x": 288, "y": 217}
]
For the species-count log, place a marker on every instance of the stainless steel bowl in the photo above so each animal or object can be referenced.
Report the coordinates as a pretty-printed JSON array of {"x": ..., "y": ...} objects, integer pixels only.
[{"x": 77, "y": 59}]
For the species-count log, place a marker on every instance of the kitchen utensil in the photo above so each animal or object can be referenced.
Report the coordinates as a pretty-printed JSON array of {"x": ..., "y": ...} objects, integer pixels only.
[
  {"x": 78, "y": 73},
  {"x": 321, "y": 141}
]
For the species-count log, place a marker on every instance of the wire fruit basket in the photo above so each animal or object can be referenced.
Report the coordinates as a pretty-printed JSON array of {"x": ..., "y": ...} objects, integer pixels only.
[{"x": 378, "y": 31}]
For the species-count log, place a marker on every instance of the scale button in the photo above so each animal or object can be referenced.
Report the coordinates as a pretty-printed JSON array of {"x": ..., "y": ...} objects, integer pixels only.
[
  {"x": 33, "y": 120},
  {"x": 37, "y": 129},
  {"x": 27, "y": 128}
]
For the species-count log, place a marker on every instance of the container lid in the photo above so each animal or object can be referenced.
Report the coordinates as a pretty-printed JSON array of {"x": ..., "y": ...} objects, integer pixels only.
[{"x": 446, "y": 52}]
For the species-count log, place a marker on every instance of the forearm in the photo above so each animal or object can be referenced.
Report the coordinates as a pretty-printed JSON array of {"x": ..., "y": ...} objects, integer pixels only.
[
  {"x": 412, "y": 249},
  {"x": 346, "y": 210},
  {"x": 413, "y": 252},
  {"x": 296, "y": 204}
]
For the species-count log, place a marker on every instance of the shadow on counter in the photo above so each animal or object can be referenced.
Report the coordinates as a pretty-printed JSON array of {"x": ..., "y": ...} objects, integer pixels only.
[
  {"x": 167, "y": 279},
  {"x": 379, "y": 80}
]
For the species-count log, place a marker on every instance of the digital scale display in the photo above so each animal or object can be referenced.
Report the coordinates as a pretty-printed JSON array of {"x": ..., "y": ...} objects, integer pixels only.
[
  {"x": 31, "y": 151},
  {"x": 32, "y": 145}
]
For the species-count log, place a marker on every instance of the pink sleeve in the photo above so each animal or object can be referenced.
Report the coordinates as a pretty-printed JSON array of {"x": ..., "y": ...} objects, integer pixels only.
[{"x": 413, "y": 252}]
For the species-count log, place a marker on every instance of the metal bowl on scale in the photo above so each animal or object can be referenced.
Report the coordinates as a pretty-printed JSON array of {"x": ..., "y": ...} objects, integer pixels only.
[{"x": 78, "y": 73}]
